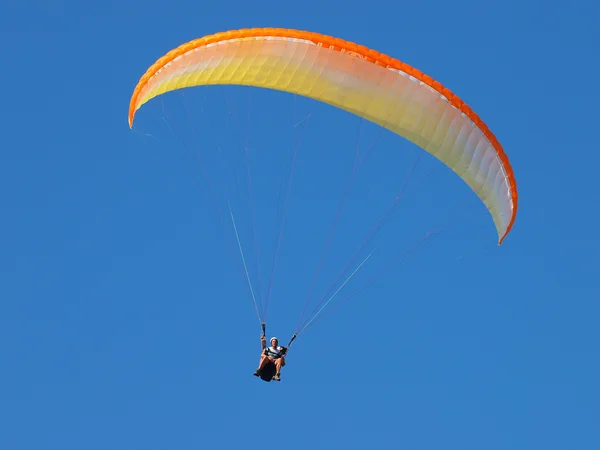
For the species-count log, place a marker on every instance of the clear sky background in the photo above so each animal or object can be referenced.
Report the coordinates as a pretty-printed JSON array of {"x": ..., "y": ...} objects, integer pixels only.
[{"x": 126, "y": 322}]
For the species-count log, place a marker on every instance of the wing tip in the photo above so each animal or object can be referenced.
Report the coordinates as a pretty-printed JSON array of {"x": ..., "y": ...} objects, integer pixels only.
[{"x": 512, "y": 220}]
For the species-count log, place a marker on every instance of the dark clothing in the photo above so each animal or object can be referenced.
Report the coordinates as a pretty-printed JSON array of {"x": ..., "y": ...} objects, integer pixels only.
[{"x": 275, "y": 352}]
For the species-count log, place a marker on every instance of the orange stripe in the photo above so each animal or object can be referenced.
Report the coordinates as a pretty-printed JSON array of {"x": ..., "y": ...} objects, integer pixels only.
[{"x": 343, "y": 46}]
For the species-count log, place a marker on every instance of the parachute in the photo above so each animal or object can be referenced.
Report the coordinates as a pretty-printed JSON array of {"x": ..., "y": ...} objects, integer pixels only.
[{"x": 359, "y": 80}]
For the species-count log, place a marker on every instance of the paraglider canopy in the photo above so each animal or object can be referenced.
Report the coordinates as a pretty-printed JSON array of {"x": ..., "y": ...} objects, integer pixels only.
[{"x": 362, "y": 81}]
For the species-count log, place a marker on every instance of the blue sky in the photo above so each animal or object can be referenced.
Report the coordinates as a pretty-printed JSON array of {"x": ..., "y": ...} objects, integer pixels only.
[{"x": 126, "y": 323}]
